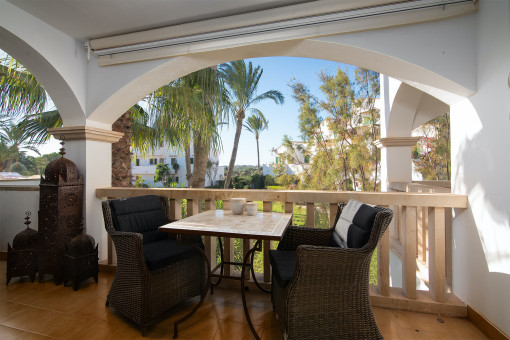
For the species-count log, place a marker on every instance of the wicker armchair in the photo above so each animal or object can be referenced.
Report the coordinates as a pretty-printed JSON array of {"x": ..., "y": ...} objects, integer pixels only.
[
  {"x": 326, "y": 294},
  {"x": 153, "y": 272}
]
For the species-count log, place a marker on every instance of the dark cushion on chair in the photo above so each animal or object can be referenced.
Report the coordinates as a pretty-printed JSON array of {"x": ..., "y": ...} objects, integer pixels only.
[
  {"x": 143, "y": 214},
  {"x": 161, "y": 253},
  {"x": 284, "y": 264},
  {"x": 354, "y": 226}
]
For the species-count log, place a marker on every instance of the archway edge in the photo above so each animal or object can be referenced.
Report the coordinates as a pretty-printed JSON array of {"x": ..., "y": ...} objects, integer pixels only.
[
  {"x": 113, "y": 107},
  {"x": 57, "y": 60},
  {"x": 50, "y": 78}
]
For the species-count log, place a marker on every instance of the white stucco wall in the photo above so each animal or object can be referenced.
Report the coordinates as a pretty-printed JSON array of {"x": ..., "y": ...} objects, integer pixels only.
[
  {"x": 13, "y": 206},
  {"x": 94, "y": 161},
  {"x": 480, "y": 166}
]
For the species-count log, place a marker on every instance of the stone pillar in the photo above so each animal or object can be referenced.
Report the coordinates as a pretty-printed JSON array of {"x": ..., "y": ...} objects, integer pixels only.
[{"x": 90, "y": 149}]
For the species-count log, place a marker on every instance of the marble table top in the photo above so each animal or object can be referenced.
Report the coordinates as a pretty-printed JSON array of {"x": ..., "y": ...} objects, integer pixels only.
[{"x": 264, "y": 225}]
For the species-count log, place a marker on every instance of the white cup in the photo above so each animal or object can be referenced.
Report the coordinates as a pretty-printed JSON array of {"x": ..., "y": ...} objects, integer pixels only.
[
  {"x": 237, "y": 205},
  {"x": 252, "y": 208}
]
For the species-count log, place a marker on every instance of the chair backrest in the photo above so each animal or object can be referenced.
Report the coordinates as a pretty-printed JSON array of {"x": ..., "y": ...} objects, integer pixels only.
[
  {"x": 355, "y": 222},
  {"x": 142, "y": 214}
]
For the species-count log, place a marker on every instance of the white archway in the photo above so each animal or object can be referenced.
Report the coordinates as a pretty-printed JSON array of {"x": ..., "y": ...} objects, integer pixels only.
[{"x": 47, "y": 74}]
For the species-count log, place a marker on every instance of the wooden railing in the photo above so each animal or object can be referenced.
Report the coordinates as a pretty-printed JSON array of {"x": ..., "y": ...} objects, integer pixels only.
[
  {"x": 423, "y": 223},
  {"x": 406, "y": 226}
]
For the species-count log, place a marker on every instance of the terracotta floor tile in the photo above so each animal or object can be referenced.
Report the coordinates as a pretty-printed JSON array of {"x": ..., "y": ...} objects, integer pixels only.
[
  {"x": 46, "y": 311},
  {"x": 8, "y": 309},
  {"x": 223, "y": 295},
  {"x": 463, "y": 329},
  {"x": 8, "y": 333},
  {"x": 234, "y": 330},
  {"x": 45, "y": 322},
  {"x": 413, "y": 321},
  {"x": 255, "y": 298},
  {"x": 99, "y": 329},
  {"x": 386, "y": 320},
  {"x": 199, "y": 327},
  {"x": 63, "y": 301},
  {"x": 214, "y": 310},
  {"x": 272, "y": 329},
  {"x": 257, "y": 315}
]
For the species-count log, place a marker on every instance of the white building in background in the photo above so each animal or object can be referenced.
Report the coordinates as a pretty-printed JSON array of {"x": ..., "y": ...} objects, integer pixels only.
[
  {"x": 302, "y": 155},
  {"x": 144, "y": 166},
  {"x": 299, "y": 154}
]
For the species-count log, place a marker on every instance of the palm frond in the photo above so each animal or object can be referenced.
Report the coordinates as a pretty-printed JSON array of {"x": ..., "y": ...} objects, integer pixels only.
[
  {"x": 36, "y": 125},
  {"x": 20, "y": 92}
]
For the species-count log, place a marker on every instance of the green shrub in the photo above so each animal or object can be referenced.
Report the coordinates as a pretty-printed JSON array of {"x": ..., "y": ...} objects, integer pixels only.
[
  {"x": 287, "y": 180},
  {"x": 257, "y": 181},
  {"x": 241, "y": 182},
  {"x": 270, "y": 180}
]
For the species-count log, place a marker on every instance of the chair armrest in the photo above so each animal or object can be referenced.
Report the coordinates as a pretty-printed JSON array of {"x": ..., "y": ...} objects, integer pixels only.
[
  {"x": 297, "y": 236},
  {"x": 129, "y": 249}
]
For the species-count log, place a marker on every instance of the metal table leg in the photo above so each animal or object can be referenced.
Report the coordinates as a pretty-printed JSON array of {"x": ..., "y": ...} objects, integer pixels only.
[
  {"x": 206, "y": 287},
  {"x": 249, "y": 255},
  {"x": 220, "y": 265}
]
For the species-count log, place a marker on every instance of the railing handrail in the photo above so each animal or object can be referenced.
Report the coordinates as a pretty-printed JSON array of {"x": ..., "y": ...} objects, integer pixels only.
[
  {"x": 445, "y": 200},
  {"x": 418, "y": 187}
]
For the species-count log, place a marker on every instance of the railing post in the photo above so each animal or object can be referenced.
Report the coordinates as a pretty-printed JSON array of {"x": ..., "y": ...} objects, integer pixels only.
[
  {"x": 409, "y": 252},
  {"x": 192, "y": 208},
  {"x": 267, "y": 207},
  {"x": 420, "y": 241},
  {"x": 448, "y": 247},
  {"x": 396, "y": 222},
  {"x": 210, "y": 242},
  {"x": 425, "y": 233},
  {"x": 333, "y": 209},
  {"x": 437, "y": 254},
  {"x": 289, "y": 209},
  {"x": 310, "y": 214},
  {"x": 175, "y": 209}
]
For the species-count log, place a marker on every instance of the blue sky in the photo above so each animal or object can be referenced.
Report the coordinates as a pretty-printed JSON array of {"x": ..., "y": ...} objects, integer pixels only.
[{"x": 283, "y": 119}]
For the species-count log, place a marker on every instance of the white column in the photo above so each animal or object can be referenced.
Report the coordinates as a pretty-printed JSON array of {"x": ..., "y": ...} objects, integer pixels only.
[
  {"x": 396, "y": 160},
  {"x": 90, "y": 149}
]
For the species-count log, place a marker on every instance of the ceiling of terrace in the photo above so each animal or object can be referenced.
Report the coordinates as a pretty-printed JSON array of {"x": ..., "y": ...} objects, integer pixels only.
[{"x": 88, "y": 19}]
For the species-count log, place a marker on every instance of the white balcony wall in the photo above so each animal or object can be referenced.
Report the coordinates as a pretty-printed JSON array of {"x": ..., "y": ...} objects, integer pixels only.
[{"x": 480, "y": 128}]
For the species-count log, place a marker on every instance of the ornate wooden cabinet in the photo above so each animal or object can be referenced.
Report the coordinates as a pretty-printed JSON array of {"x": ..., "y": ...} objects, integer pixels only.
[{"x": 60, "y": 215}]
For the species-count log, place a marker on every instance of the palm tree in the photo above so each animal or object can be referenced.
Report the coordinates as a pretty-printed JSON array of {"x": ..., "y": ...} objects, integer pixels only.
[
  {"x": 163, "y": 174},
  {"x": 6, "y": 153},
  {"x": 242, "y": 84},
  {"x": 15, "y": 140},
  {"x": 189, "y": 110},
  {"x": 256, "y": 124},
  {"x": 22, "y": 95}
]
